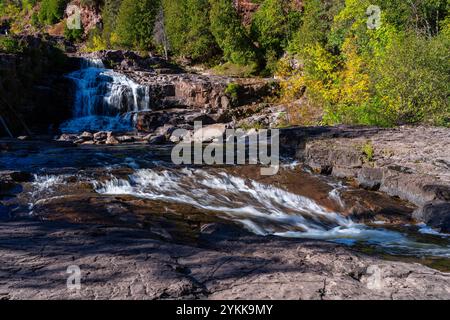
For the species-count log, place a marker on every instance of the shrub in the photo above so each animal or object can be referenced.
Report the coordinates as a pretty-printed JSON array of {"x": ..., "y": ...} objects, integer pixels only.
[
  {"x": 9, "y": 44},
  {"x": 74, "y": 35}
]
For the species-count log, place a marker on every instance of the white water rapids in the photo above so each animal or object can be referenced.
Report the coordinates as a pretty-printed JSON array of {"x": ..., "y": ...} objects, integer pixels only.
[{"x": 262, "y": 209}]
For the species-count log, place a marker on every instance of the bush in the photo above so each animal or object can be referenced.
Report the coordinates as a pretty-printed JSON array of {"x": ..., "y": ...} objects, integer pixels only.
[
  {"x": 396, "y": 74},
  {"x": 413, "y": 80},
  {"x": 9, "y": 44},
  {"x": 73, "y": 35}
]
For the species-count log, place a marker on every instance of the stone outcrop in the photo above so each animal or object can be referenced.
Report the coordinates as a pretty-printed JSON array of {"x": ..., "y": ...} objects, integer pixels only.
[
  {"x": 171, "y": 88},
  {"x": 412, "y": 163},
  {"x": 89, "y": 14}
]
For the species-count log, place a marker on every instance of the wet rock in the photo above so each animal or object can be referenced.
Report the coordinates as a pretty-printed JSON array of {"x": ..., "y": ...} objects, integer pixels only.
[
  {"x": 125, "y": 139},
  {"x": 100, "y": 136},
  {"x": 406, "y": 162},
  {"x": 68, "y": 137},
  {"x": 16, "y": 176},
  {"x": 181, "y": 135},
  {"x": 410, "y": 187},
  {"x": 165, "y": 131},
  {"x": 159, "y": 139},
  {"x": 370, "y": 178},
  {"x": 86, "y": 136},
  {"x": 435, "y": 215},
  {"x": 111, "y": 140},
  {"x": 10, "y": 182}
]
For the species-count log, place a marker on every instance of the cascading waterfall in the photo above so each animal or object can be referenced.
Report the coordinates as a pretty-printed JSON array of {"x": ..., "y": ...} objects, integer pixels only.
[{"x": 104, "y": 99}]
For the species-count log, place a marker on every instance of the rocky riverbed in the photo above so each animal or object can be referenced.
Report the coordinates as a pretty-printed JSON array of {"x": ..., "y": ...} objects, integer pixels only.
[
  {"x": 139, "y": 228},
  {"x": 120, "y": 263},
  {"x": 353, "y": 213}
]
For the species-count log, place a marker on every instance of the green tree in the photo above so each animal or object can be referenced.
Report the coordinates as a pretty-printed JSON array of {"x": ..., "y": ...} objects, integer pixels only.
[
  {"x": 230, "y": 35},
  {"x": 110, "y": 11},
  {"x": 269, "y": 28},
  {"x": 188, "y": 28},
  {"x": 135, "y": 23},
  {"x": 52, "y": 11}
]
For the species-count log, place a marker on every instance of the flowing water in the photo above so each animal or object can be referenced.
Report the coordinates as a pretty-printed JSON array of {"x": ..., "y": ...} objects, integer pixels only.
[
  {"x": 137, "y": 186},
  {"x": 104, "y": 99}
]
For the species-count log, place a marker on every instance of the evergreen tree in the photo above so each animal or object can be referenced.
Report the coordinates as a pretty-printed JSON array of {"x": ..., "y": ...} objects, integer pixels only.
[
  {"x": 188, "y": 28},
  {"x": 110, "y": 11},
  {"x": 230, "y": 35},
  {"x": 135, "y": 23},
  {"x": 52, "y": 11}
]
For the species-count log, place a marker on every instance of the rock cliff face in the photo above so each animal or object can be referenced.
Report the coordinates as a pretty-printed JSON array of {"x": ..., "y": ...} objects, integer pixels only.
[
  {"x": 32, "y": 87},
  {"x": 196, "y": 96},
  {"x": 90, "y": 15}
]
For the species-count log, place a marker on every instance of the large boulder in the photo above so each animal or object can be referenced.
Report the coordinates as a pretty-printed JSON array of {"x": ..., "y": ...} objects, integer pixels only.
[{"x": 210, "y": 133}]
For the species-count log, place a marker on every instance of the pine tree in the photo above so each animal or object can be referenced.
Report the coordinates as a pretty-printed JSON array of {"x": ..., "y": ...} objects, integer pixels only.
[
  {"x": 230, "y": 35},
  {"x": 135, "y": 23},
  {"x": 110, "y": 11},
  {"x": 188, "y": 27}
]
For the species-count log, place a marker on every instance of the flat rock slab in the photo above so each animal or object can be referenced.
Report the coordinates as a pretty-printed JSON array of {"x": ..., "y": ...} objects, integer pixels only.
[{"x": 120, "y": 263}]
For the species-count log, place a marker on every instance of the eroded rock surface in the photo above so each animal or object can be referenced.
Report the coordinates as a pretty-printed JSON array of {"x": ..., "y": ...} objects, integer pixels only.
[
  {"x": 118, "y": 263},
  {"x": 412, "y": 163}
]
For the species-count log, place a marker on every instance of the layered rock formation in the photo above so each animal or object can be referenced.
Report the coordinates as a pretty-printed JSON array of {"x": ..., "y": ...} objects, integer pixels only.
[{"x": 412, "y": 163}]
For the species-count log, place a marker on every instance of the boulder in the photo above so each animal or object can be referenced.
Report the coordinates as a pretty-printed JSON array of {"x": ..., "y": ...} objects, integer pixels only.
[
  {"x": 210, "y": 133},
  {"x": 111, "y": 140},
  {"x": 125, "y": 139},
  {"x": 165, "y": 131},
  {"x": 180, "y": 135},
  {"x": 159, "y": 139},
  {"x": 86, "y": 136},
  {"x": 370, "y": 178},
  {"x": 68, "y": 137},
  {"x": 435, "y": 215},
  {"x": 99, "y": 136}
]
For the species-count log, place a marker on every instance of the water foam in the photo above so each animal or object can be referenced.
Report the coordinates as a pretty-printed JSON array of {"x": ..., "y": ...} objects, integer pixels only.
[
  {"x": 104, "y": 99},
  {"x": 262, "y": 209}
]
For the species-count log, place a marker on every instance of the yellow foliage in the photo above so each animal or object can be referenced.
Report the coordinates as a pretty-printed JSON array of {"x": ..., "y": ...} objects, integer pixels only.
[{"x": 354, "y": 82}]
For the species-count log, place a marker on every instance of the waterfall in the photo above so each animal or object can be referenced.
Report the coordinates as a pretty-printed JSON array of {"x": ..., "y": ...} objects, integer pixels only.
[{"x": 104, "y": 99}]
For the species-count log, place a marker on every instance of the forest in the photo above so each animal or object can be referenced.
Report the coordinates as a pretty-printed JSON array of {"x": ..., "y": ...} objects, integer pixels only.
[{"x": 369, "y": 62}]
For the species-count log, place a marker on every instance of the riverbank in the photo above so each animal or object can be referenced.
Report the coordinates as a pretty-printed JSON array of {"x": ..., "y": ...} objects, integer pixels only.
[
  {"x": 119, "y": 263},
  {"x": 411, "y": 163}
]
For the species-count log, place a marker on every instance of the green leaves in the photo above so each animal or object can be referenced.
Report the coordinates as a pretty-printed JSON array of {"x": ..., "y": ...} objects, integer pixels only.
[
  {"x": 135, "y": 23},
  {"x": 230, "y": 35}
]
